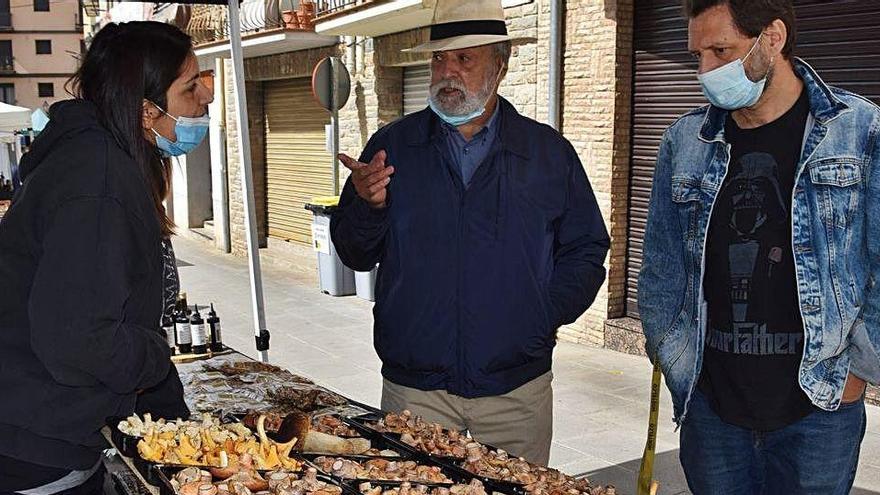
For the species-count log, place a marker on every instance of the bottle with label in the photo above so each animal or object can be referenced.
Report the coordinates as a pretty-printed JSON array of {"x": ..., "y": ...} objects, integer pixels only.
[
  {"x": 182, "y": 329},
  {"x": 216, "y": 334},
  {"x": 168, "y": 330},
  {"x": 199, "y": 336}
]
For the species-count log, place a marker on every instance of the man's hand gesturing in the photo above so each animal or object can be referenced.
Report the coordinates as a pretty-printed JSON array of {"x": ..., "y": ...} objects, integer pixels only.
[{"x": 370, "y": 179}]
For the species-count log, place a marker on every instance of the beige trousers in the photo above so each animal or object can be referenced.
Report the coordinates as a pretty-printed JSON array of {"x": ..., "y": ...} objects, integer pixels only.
[{"x": 520, "y": 422}]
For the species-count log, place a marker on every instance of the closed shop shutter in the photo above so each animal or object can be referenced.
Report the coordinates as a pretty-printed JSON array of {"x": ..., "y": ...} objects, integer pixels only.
[
  {"x": 298, "y": 166},
  {"x": 839, "y": 39},
  {"x": 416, "y": 88}
]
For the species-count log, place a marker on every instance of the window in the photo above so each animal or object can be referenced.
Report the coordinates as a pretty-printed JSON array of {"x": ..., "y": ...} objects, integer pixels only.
[
  {"x": 5, "y": 15},
  {"x": 46, "y": 90},
  {"x": 41, "y": 5},
  {"x": 7, "y": 93},
  {"x": 6, "y": 60},
  {"x": 44, "y": 47}
]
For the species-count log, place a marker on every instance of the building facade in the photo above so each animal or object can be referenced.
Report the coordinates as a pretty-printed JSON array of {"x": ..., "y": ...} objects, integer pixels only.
[
  {"x": 40, "y": 45},
  {"x": 626, "y": 76}
]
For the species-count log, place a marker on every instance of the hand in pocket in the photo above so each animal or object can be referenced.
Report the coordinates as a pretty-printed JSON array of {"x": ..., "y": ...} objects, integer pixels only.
[{"x": 853, "y": 390}]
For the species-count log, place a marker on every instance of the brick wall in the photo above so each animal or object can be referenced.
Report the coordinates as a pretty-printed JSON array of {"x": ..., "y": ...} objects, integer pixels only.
[
  {"x": 621, "y": 158},
  {"x": 595, "y": 118},
  {"x": 520, "y": 85},
  {"x": 376, "y": 99},
  {"x": 254, "y": 95},
  {"x": 287, "y": 65}
]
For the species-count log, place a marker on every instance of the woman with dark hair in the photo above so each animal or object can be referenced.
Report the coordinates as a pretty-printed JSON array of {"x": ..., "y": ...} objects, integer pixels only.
[{"x": 86, "y": 263}]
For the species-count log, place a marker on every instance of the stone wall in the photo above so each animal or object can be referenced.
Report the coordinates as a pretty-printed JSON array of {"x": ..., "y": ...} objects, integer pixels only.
[
  {"x": 254, "y": 95},
  {"x": 595, "y": 118}
]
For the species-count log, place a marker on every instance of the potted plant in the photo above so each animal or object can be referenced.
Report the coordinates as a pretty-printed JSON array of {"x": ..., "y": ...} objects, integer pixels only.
[
  {"x": 307, "y": 14},
  {"x": 290, "y": 17}
]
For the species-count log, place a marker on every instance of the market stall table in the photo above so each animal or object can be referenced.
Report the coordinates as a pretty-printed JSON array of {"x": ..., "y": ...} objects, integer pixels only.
[{"x": 347, "y": 447}]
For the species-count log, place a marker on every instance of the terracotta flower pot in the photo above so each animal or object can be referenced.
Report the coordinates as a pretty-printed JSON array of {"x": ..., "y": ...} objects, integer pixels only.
[
  {"x": 307, "y": 9},
  {"x": 290, "y": 19},
  {"x": 306, "y": 20}
]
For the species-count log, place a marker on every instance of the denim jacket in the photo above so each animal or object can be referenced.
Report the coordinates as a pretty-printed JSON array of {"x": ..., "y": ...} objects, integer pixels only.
[{"x": 835, "y": 241}]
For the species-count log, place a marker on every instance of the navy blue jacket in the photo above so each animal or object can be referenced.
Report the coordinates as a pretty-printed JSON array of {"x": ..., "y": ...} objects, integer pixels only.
[{"x": 473, "y": 283}]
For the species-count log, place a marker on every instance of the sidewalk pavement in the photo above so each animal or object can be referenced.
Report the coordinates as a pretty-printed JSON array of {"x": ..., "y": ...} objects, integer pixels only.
[{"x": 601, "y": 397}]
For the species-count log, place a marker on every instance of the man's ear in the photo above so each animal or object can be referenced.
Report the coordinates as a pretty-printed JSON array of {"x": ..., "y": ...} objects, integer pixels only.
[{"x": 777, "y": 34}]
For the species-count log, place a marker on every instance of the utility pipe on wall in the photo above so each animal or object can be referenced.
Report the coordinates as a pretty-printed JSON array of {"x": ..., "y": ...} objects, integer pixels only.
[{"x": 557, "y": 31}]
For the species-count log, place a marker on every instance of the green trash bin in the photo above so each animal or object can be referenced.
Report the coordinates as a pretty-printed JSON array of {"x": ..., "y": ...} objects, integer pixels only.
[{"x": 334, "y": 278}]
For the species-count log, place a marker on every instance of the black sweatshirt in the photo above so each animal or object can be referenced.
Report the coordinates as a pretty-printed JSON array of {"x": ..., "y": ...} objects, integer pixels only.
[{"x": 80, "y": 294}]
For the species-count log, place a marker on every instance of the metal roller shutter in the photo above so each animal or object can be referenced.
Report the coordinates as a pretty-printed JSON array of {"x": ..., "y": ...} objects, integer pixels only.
[
  {"x": 416, "y": 88},
  {"x": 298, "y": 165},
  {"x": 839, "y": 39}
]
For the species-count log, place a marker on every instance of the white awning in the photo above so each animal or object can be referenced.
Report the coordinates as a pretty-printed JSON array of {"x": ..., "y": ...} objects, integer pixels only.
[{"x": 13, "y": 118}]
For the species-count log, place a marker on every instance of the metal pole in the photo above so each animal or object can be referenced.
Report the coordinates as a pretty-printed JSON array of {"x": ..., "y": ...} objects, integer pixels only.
[
  {"x": 247, "y": 182},
  {"x": 334, "y": 120},
  {"x": 556, "y": 30}
]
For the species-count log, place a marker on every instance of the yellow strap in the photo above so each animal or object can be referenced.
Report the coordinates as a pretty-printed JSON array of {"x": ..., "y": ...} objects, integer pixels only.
[{"x": 647, "y": 485}]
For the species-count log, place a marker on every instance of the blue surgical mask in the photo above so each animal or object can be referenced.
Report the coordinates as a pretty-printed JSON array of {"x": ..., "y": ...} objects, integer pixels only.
[
  {"x": 190, "y": 132},
  {"x": 729, "y": 88},
  {"x": 455, "y": 120},
  {"x": 459, "y": 120}
]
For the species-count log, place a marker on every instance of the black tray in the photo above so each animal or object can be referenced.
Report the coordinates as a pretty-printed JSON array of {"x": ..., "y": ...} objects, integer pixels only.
[
  {"x": 457, "y": 476},
  {"x": 491, "y": 488},
  {"x": 366, "y": 407},
  {"x": 502, "y": 486},
  {"x": 239, "y": 417},
  {"x": 343, "y": 419},
  {"x": 125, "y": 444},
  {"x": 377, "y": 440},
  {"x": 449, "y": 463},
  {"x": 364, "y": 422},
  {"x": 163, "y": 474}
]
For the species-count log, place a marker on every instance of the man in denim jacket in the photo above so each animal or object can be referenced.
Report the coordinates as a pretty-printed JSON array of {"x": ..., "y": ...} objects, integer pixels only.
[{"x": 758, "y": 292}]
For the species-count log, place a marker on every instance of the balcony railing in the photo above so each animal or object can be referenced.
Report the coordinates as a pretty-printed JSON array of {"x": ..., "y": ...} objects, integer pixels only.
[
  {"x": 330, "y": 7},
  {"x": 7, "y": 64},
  {"x": 372, "y": 18},
  {"x": 208, "y": 23}
]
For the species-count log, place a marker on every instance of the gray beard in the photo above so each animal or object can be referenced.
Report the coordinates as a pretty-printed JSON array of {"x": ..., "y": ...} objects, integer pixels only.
[{"x": 458, "y": 106}]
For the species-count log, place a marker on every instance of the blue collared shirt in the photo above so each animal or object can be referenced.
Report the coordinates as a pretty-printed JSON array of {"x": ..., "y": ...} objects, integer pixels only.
[{"x": 468, "y": 155}]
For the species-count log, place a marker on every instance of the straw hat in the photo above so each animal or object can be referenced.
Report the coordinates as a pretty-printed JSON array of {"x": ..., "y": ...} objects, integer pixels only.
[{"x": 462, "y": 24}]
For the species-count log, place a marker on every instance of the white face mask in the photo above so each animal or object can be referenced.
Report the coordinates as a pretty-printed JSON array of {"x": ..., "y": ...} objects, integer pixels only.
[{"x": 729, "y": 87}]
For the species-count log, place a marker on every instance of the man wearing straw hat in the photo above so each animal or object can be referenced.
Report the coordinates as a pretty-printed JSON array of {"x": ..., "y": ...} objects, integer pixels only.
[{"x": 488, "y": 239}]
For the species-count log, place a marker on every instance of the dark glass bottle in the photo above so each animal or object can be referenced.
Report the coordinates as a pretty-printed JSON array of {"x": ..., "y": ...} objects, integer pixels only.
[
  {"x": 182, "y": 329},
  {"x": 216, "y": 333},
  {"x": 199, "y": 336}
]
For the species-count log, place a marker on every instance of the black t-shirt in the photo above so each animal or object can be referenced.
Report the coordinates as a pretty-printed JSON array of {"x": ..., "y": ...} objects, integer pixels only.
[{"x": 755, "y": 334}]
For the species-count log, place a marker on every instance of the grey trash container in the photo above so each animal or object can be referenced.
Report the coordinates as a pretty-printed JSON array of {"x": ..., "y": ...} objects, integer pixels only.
[
  {"x": 365, "y": 283},
  {"x": 334, "y": 277}
]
